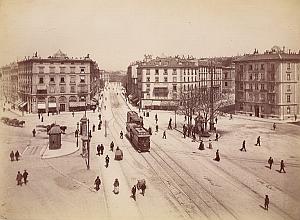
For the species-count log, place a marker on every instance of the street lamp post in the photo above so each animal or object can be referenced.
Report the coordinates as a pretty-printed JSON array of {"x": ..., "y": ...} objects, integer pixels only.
[
  {"x": 88, "y": 144},
  {"x": 77, "y": 134}
]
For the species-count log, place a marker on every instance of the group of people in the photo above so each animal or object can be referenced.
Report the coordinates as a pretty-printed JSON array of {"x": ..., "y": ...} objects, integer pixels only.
[
  {"x": 22, "y": 176},
  {"x": 14, "y": 156}
]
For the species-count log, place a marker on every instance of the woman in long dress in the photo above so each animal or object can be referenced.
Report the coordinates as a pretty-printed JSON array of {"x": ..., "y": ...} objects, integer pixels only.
[{"x": 116, "y": 186}]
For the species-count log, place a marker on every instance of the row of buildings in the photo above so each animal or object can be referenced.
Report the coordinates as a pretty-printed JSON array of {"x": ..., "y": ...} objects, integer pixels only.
[
  {"x": 261, "y": 84},
  {"x": 56, "y": 83}
]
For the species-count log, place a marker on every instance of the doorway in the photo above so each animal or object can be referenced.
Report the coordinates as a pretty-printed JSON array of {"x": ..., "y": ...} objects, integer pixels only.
[
  {"x": 62, "y": 107},
  {"x": 256, "y": 109}
]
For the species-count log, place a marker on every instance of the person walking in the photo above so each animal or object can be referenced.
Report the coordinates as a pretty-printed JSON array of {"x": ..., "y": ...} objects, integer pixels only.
[
  {"x": 295, "y": 117},
  {"x": 267, "y": 201},
  {"x": 201, "y": 145},
  {"x": 170, "y": 124},
  {"x": 94, "y": 127},
  {"x": 143, "y": 188},
  {"x": 19, "y": 178},
  {"x": 106, "y": 161},
  {"x": 270, "y": 162},
  {"x": 98, "y": 149},
  {"x": 217, "y": 136},
  {"x": 73, "y": 114},
  {"x": 282, "y": 166},
  {"x": 217, "y": 156},
  {"x": 133, "y": 191},
  {"x": 12, "y": 156},
  {"x": 164, "y": 135},
  {"x": 17, "y": 155},
  {"x": 99, "y": 125},
  {"x": 76, "y": 133},
  {"x": 210, "y": 144},
  {"x": 156, "y": 118},
  {"x": 156, "y": 128},
  {"x": 243, "y": 146},
  {"x": 99, "y": 117},
  {"x": 97, "y": 183},
  {"x": 216, "y": 120},
  {"x": 116, "y": 186},
  {"x": 25, "y": 175},
  {"x": 257, "y": 141},
  {"x": 112, "y": 146},
  {"x": 101, "y": 149},
  {"x": 274, "y": 126},
  {"x": 42, "y": 119},
  {"x": 121, "y": 135},
  {"x": 33, "y": 132}
]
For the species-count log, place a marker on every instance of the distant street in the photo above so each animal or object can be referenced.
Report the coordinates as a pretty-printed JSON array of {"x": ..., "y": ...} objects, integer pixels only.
[{"x": 182, "y": 181}]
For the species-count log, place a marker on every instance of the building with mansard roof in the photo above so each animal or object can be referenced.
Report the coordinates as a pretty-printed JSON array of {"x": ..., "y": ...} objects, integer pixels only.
[{"x": 268, "y": 84}]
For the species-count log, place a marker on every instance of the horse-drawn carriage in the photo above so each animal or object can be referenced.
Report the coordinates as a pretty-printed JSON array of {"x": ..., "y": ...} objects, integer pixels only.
[{"x": 13, "y": 122}]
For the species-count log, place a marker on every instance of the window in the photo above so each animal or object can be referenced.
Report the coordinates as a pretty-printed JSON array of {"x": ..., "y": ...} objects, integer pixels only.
[
  {"x": 289, "y": 66},
  {"x": 156, "y": 79},
  {"x": 250, "y": 76},
  {"x": 52, "y": 80},
  {"x": 72, "y": 89},
  {"x": 52, "y": 89},
  {"x": 272, "y": 66},
  {"x": 174, "y": 79},
  {"x": 165, "y": 71},
  {"x": 288, "y": 98},
  {"x": 256, "y": 76},
  {"x": 241, "y": 106},
  {"x": 272, "y": 88},
  {"x": 288, "y": 76},
  {"x": 225, "y": 75},
  {"x": 250, "y": 86},
  {"x": 72, "y": 79},
  {"x": 82, "y": 69},
  {"x": 262, "y": 76},
  {"x": 262, "y": 66},
  {"x": 52, "y": 69},
  {"x": 62, "y": 79},
  {"x": 225, "y": 83},
  {"x": 72, "y": 69},
  {"x": 241, "y": 86},
  {"x": 62, "y": 89},
  {"x": 250, "y": 67},
  {"x": 288, "y": 110},
  {"x": 174, "y": 87},
  {"x": 272, "y": 76},
  {"x": 156, "y": 71},
  {"x": 82, "y": 79},
  {"x": 41, "y": 80},
  {"x": 62, "y": 69},
  {"x": 165, "y": 79},
  {"x": 256, "y": 86},
  {"x": 174, "y": 71},
  {"x": 41, "y": 69},
  {"x": 148, "y": 79},
  {"x": 256, "y": 66},
  {"x": 147, "y": 87},
  {"x": 148, "y": 71},
  {"x": 263, "y": 97},
  {"x": 262, "y": 87}
]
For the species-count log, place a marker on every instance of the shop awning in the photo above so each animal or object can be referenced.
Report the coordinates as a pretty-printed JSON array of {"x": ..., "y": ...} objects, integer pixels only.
[
  {"x": 136, "y": 99},
  {"x": 41, "y": 105},
  {"x": 156, "y": 103},
  {"x": 147, "y": 102},
  {"x": 52, "y": 104},
  {"x": 77, "y": 104},
  {"x": 160, "y": 91}
]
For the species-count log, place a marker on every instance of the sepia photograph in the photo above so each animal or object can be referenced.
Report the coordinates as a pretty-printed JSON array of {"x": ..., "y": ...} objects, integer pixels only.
[{"x": 149, "y": 110}]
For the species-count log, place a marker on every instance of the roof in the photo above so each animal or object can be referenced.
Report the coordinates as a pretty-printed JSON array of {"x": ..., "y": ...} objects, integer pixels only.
[
  {"x": 268, "y": 57},
  {"x": 55, "y": 130}
]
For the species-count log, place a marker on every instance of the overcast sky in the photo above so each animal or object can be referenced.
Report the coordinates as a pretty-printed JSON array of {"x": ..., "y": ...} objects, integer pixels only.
[{"x": 116, "y": 33}]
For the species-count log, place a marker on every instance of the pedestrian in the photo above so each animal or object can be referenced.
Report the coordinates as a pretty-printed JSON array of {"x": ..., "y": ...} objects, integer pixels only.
[
  {"x": 97, "y": 183},
  {"x": 76, "y": 133},
  {"x": 170, "y": 124},
  {"x": 143, "y": 188},
  {"x": 210, "y": 144},
  {"x": 270, "y": 162},
  {"x": 282, "y": 166},
  {"x": 201, "y": 145},
  {"x": 267, "y": 201},
  {"x": 217, "y": 156},
  {"x": 12, "y": 156},
  {"x": 243, "y": 146},
  {"x": 99, "y": 126},
  {"x": 274, "y": 126},
  {"x": 106, "y": 161},
  {"x": 112, "y": 146},
  {"x": 116, "y": 186},
  {"x": 98, "y": 149},
  {"x": 216, "y": 120},
  {"x": 101, "y": 149},
  {"x": 19, "y": 178},
  {"x": 48, "y": 114},
  {"x": 217, "y": 136},
  {"x": 39, "y": 115},
  {"x": 121, "y": 135},
  {"x": 94, "y": 127},
  {"x": 230, "y": 117},
  {"x": 164, "y": 135},
  {"x": 42, "y": 119},
  {"x": 185, "y": 118},
  {"x": 295, "y": 117},
  {"x": 156, "y": 117},
  {"x": 73, "y": 114},
  {"x": 156, "y": 128},
  {"x": 17, "y": 155},
  {"x": 25, "y": 175},
  {"x": 257, "y": 141},
  {"x": 133, "y": 191},
  {"x": 99, "y": 117},
  {"x": 33, "y": 132}
]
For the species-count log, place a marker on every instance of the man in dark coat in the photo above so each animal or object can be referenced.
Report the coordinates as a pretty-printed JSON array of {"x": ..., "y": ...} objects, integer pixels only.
[
  {"x": 19, "y": 178},
  {"x": 121, "y": 135},
  {"x": 143, "y": 188},
  {"x": 243, "y": 146},
  {"x": 274, "y": 126},
  {"x": 33, "y": 132},
  {"x": 258, "y": 141},
  {"x": 133, "y": 191},
  {"x": 267, "y": 201},
  {"x": 101, "y": 149},
  {"x": 17, "y": 155},
  {"x": 97, "y": 183},
  {"x": 42, "y": 119},
  {"x": 94, "y": 127},
  {"x": 106, "y": 161},
  {"x": 270, "y": 162},
  {"x": 12, "y": 156},
  {"x": 164, "y": 135},
  {"x": 201, "y": 145},
  {"x": 98, "y": 149},
  {"x": 217, "y": 136},
  {"x": 156, "y": 128},
  {"x": 25, "y": 175},
  {"x": 282, "y": 166},
  {"x": 112, "y": 146},
  {"x": 217, "y": 156}
]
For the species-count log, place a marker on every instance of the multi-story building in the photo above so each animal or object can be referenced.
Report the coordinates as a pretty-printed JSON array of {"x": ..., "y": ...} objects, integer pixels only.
[
  {"x": 268, "y": 84},
  {"x": 56, "y": 83},
  {"x": 162, "y": 82},
  {"x": 9, "y": 82}
]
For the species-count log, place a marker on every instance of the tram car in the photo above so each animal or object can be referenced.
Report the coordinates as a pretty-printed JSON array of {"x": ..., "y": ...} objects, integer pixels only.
[{"x": 136, "y": 133}]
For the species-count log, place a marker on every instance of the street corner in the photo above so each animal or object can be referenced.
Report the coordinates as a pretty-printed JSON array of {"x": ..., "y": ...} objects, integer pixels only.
[{"x": 66, "y": 149}]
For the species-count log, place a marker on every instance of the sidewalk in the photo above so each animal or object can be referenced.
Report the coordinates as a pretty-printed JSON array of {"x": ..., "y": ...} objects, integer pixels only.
[{"x": 67, "y": 148}]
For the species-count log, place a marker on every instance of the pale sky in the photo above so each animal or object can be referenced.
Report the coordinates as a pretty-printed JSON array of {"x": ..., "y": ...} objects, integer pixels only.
[{"x": 116, "y": 33}]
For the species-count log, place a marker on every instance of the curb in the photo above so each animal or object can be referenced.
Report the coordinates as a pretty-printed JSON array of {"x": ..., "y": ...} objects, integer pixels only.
[{"x": 57, "y": 156}]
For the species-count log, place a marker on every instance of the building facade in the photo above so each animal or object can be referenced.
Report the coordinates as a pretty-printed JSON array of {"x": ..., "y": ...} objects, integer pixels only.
[
  {"x": 163, "y": 82},
  {"x": 9, "y": 82},
  {"x": 268, "y": 85},
  {"x": 57, "y": 83}
]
